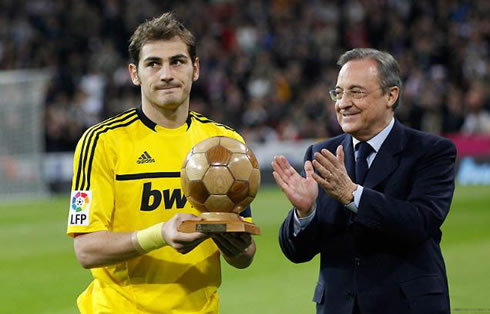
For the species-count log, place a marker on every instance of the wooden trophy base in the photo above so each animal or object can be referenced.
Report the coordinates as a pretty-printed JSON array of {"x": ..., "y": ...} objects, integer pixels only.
[{"x": 219, "y": 222}]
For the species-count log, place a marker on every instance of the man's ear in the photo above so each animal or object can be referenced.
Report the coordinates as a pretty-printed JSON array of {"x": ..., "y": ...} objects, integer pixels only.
[
  {"x": 133, "y": 71},
  {"x": 195, "y": 65},
  {"x": 392, "y": 93}
]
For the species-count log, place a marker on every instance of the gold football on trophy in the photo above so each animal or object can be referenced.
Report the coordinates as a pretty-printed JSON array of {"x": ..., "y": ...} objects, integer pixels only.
[{"x": 220, "y": 174}]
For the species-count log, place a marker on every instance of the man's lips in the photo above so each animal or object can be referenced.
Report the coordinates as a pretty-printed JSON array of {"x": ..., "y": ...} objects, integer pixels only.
[
  {"x": 166, "y": 87},
  {"x": 349, "y": 114}
]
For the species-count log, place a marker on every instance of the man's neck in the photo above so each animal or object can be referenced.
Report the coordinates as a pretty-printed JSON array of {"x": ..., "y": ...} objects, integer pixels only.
[
  {"x": 378, "y": 140},
  {"x": 167, "y": 118}
]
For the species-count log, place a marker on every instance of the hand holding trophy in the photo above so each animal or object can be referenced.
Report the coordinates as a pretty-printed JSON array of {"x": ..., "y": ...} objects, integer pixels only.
[{"x": 220, "y": 177}]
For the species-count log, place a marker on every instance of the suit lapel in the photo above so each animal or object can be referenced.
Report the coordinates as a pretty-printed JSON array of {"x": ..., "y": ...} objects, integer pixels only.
[
  {"x": 349, "y": 157},
  {"x": 386, "y": 160},
  {"x": 351, "y": 171}
]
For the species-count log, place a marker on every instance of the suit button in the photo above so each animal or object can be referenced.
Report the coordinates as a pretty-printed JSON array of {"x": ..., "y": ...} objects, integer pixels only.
[
  {"x": 351, "y": 294},
  {"x": 357, "y": 261}
]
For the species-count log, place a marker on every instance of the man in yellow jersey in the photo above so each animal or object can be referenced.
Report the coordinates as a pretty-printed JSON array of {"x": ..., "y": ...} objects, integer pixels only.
[{"x": 127, "y": 202}]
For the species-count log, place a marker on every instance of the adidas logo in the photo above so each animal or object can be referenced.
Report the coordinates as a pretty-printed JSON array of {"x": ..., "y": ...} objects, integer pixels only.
[{"x": 145, "y": 158}]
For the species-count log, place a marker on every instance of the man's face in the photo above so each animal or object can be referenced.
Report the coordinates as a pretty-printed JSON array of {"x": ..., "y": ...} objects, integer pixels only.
[
  {"x": 165, "y": 73},
  {"x": 365, "y": 117}
]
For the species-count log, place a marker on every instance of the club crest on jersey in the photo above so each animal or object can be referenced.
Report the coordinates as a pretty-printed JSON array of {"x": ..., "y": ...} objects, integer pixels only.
[{"x": 80, "y": 208}]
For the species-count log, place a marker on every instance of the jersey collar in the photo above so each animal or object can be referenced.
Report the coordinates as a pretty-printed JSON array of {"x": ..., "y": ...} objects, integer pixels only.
[{"x": 152, "y": 125}]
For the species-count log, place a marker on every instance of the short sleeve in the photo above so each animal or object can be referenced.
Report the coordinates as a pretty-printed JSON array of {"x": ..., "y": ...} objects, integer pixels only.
[{"x": 92, "y": 194}]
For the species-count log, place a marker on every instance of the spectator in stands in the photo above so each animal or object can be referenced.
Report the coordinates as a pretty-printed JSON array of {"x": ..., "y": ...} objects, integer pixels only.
[{"x": 477, "y": 121}]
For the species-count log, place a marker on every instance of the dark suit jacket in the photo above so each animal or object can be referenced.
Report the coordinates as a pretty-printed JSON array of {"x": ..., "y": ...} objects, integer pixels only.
[{"x": 387, "y": 256}]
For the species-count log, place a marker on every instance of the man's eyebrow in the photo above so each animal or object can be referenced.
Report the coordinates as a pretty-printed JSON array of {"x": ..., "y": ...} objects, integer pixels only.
[
  {"x": 151, "y": 58},
  {"x": 356, "y": 86},
  {"x": 351, "y": 87},
  {"x": 179, "y": 56}
]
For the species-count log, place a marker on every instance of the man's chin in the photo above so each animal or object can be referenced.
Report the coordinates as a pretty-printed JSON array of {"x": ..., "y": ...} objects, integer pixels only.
[
  {"x": 348, "y": 127},
  {"x": 169, "y": 105}
]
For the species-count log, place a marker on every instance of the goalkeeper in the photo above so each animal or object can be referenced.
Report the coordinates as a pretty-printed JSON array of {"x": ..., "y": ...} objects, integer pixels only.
[{"x": 127, "y": 203}]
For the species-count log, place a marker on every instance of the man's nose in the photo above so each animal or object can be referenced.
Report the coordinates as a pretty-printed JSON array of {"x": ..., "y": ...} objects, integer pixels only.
[
  {"x": 343, "y": 102},
  {"x": 166, "y": 72}
]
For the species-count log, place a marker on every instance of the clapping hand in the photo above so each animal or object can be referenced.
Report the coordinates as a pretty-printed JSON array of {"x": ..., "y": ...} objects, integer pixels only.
[{"x": 301, "y": 192}]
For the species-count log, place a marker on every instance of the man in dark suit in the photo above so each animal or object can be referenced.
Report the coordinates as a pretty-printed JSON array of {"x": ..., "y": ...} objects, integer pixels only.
[{"x": 371, "y": 201}]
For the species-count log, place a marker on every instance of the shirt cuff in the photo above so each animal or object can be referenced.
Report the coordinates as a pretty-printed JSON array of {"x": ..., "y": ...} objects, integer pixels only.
[
  {"x": 301, "y": 223},
  {"x": 354, "y": 205}
]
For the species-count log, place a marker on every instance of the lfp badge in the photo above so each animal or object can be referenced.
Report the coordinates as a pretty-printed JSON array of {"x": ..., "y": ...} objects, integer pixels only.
[{"x": 80, "y": 208}]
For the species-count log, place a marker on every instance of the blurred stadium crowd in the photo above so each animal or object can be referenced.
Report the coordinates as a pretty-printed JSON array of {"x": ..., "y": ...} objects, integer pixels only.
[{"x": 266, "y": 66}]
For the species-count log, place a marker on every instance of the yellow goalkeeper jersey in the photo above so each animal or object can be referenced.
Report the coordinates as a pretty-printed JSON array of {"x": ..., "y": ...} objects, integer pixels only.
[{"x": 127, "y": 178}]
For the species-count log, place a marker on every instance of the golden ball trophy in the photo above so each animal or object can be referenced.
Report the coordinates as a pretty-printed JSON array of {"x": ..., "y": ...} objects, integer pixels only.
[{"x": 220, "y": 177}]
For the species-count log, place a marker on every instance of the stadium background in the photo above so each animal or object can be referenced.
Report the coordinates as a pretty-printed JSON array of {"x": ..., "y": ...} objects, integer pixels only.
[{"x": 266, "y": 67}]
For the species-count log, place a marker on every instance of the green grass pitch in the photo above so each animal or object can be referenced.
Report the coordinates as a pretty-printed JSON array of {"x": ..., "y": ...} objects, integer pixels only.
[{"x": 39, "y": 272}]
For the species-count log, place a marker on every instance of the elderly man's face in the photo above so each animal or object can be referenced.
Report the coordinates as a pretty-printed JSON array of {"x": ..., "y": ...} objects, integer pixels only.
[{"x": 364, "y": 109}]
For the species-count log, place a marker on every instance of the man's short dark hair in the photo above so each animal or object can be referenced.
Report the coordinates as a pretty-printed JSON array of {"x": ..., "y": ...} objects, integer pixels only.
[
  {"x": 388, "y": 68},
  {"x": 164, "y": 27}
]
